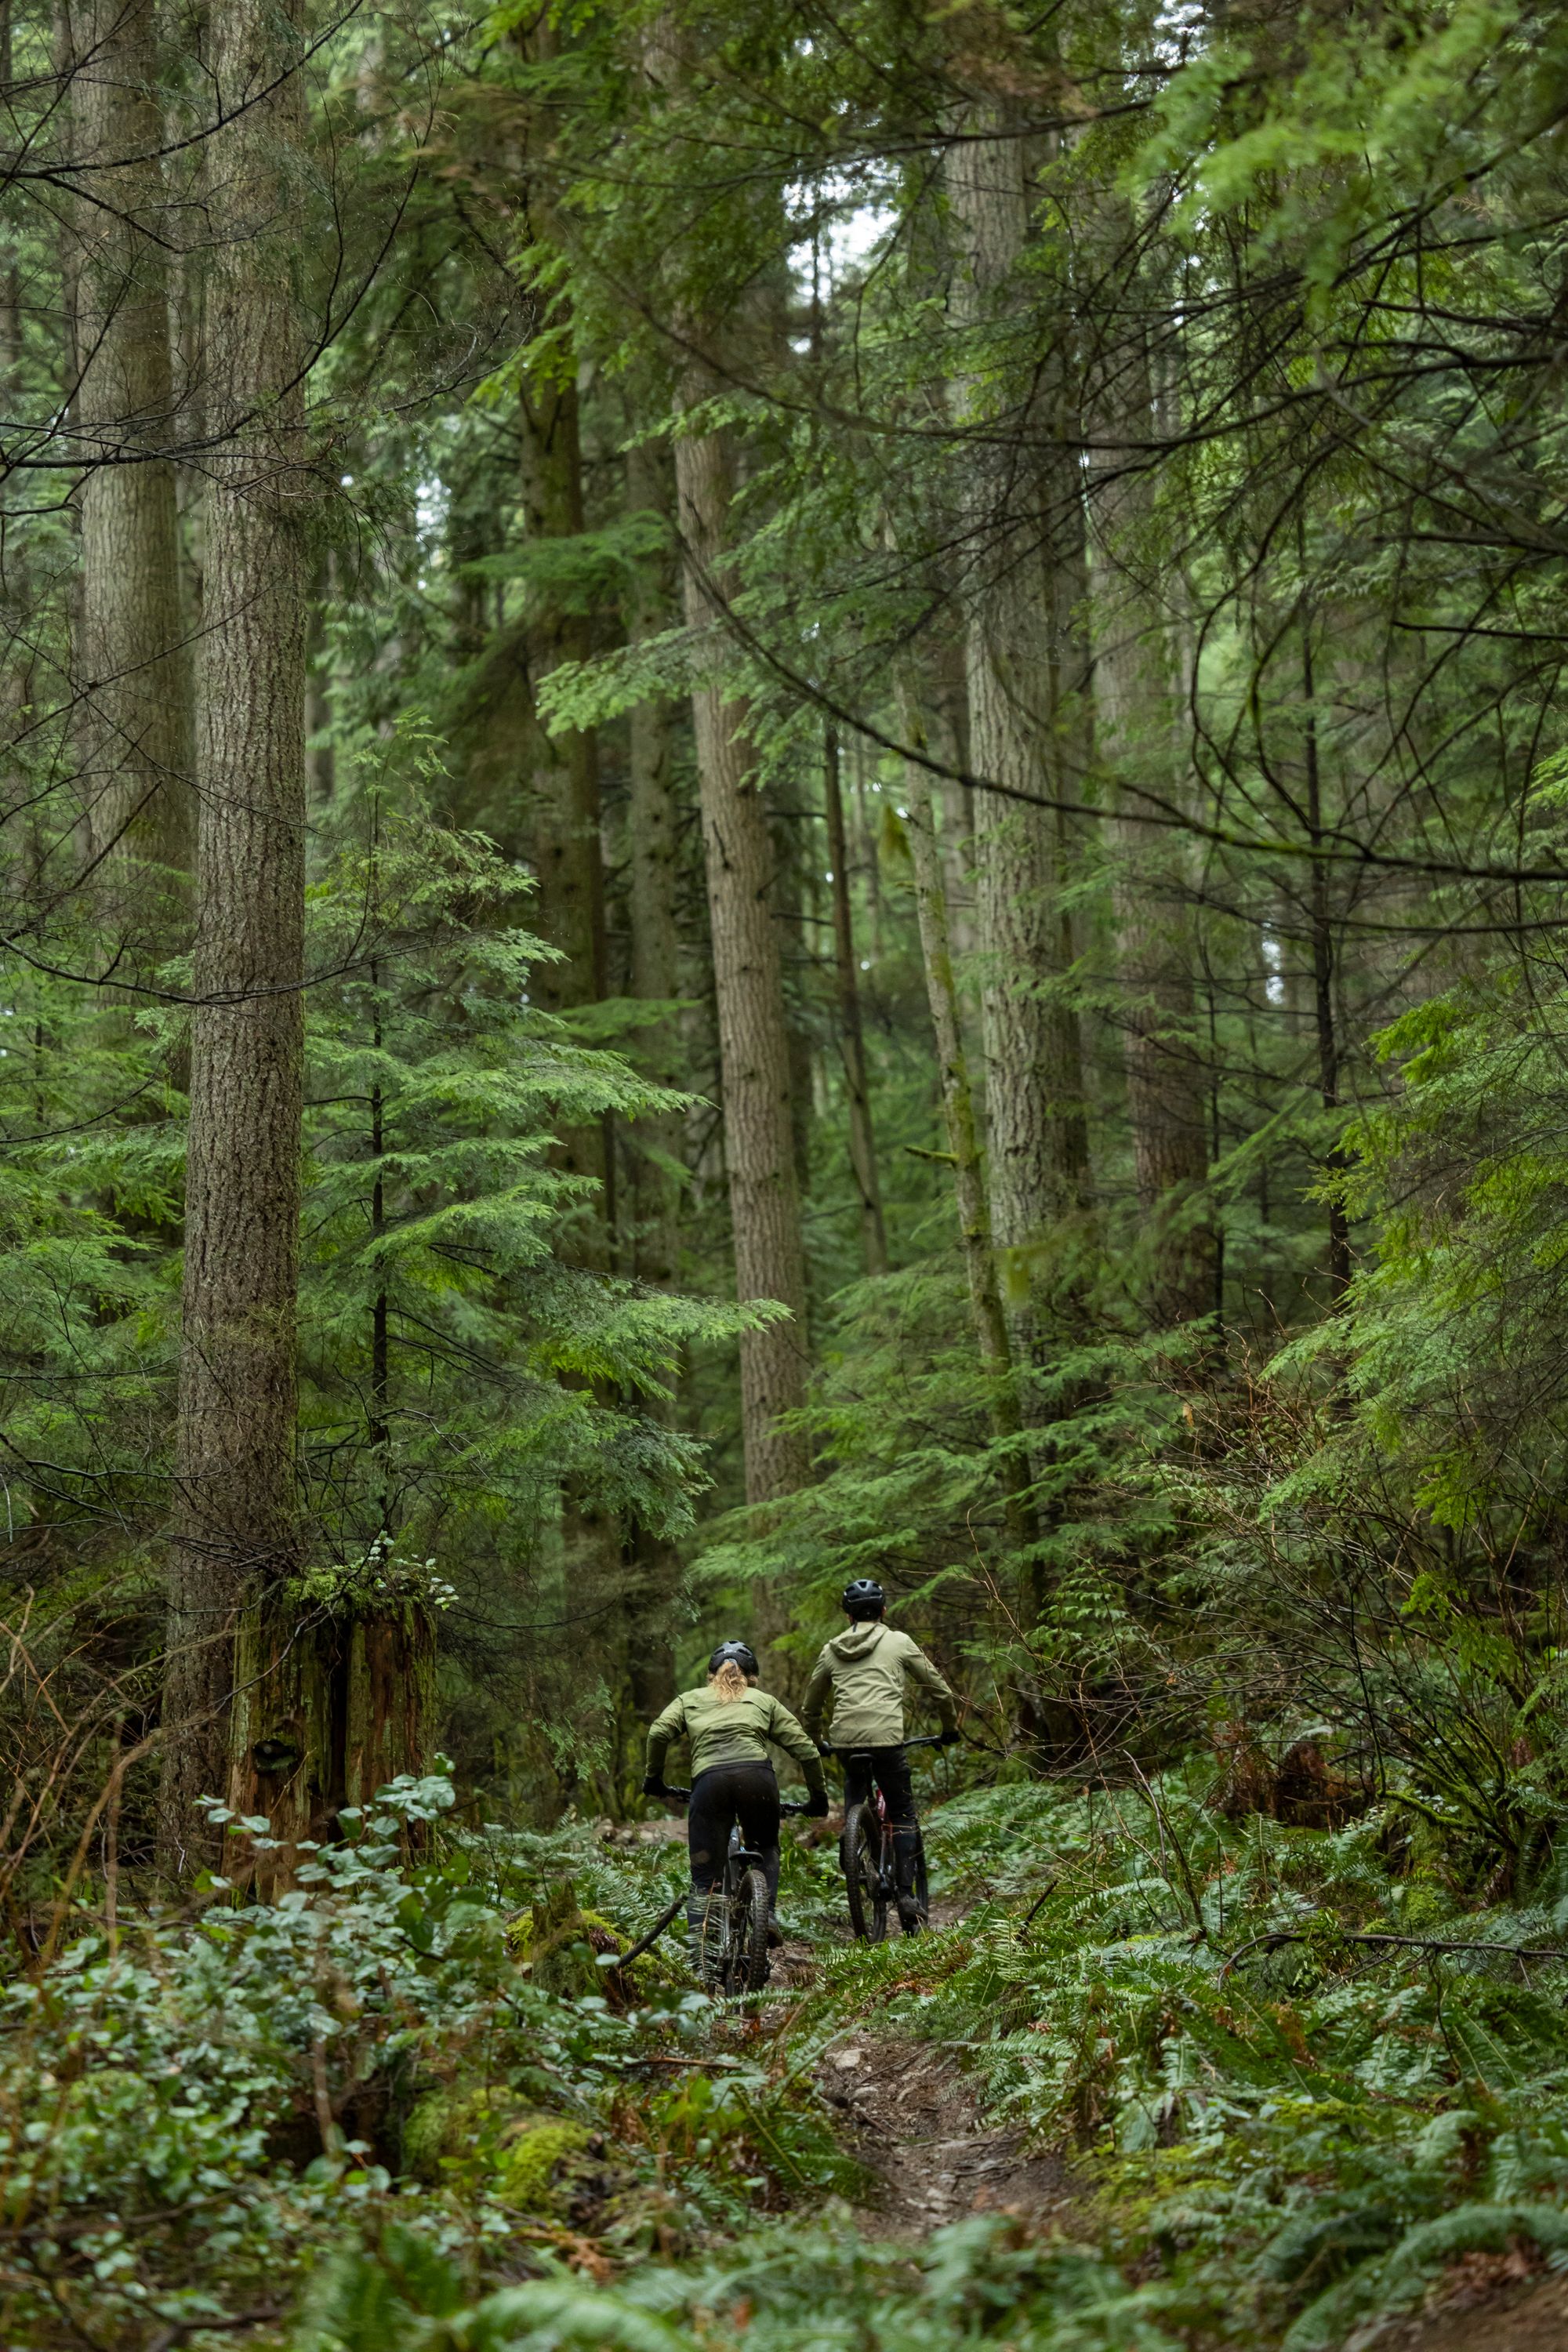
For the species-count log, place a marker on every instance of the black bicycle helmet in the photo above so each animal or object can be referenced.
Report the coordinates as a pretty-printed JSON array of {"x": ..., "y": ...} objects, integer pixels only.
[
  {"x": 864, "y": 1597},
  {"x": 739, "y": 1653}
]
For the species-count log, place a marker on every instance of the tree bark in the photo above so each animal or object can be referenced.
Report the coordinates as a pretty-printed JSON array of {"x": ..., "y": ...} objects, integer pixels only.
[
  {"x": 1038, "y": 1148},
  {"x": 132, "y": 665},
  {"x": 653, "y": 906},
  {"x": 991, "y": 1334},
  {"x": 1167, "y": 1083},
  {"x": 1325, "y": 1024},
  {"x": 562, "y": 780},
  {"x": 754, "y": 1036},
  {"x": 851, "y": 1035},
  {"x": 235, "y": 1513},
  {"x": 655, "y": 1141},
  {"x": 564, "y": 769}
]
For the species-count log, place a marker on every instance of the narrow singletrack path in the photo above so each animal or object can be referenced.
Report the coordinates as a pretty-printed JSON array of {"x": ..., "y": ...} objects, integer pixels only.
[
  {"x": 1479, "y": 2307},
  {"x": 910, "y": 2117},
  {"x": 908, "y": 2113}
]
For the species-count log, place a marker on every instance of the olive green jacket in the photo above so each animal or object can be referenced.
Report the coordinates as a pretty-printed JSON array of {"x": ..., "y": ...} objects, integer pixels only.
[
  {"x": 865, "y": 1669},
  {"x": 730, "y": 1731}
]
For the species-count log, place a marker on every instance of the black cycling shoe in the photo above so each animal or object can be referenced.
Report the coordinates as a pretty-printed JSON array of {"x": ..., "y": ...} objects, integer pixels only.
[
  {"x": 910, "y": 1918},
  {"x": 776, "y": 1933}
]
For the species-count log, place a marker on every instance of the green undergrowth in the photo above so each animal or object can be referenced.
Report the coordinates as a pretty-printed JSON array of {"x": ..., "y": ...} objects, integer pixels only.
[
  {"x": 1286, "y": 2129},
  {"x": 196, "y": 2111},
  {"x": 352, "y": 2121}
]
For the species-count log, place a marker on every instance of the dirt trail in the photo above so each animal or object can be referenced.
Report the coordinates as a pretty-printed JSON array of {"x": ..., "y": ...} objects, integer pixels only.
[
  {"x": 910, "y": 2117},
  {"x": 1483, "y": 2308}
]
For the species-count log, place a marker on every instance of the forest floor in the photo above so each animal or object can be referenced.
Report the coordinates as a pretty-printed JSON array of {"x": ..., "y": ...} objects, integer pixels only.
[
  {"x": 1214, "y": 2085},
  {"x": 911, "y": 2119},
  {"x": 908, "y": 2116}
]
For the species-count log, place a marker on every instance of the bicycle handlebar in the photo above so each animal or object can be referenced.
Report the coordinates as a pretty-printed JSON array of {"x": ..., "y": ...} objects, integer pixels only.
[{"x": 788, "y": 1806}]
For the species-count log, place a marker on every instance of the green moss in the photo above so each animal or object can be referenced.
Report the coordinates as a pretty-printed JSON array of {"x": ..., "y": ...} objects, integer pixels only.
[
  {"x": 562, "y": 1944},
  {"x": 493, "y": 2128},
  {"x": 528, "y": 2165},
  {"x": 452, "y": 2123},
  {"x": 519, "y": 1931}
]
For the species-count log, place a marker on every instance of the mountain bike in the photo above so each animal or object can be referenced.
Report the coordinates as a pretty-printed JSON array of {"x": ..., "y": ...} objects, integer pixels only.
[
  {"x": 733, "y": 1937},
  {"x": 865, "y": 1853}
]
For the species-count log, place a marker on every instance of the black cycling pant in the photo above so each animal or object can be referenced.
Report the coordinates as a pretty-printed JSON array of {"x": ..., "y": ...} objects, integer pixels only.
[
  {"x": 887, "y": 1769},
  {"x": 725, "y": 1794}
]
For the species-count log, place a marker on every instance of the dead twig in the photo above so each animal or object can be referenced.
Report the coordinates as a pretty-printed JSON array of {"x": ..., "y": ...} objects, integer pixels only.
[{"x": 1405, "y": 1943}]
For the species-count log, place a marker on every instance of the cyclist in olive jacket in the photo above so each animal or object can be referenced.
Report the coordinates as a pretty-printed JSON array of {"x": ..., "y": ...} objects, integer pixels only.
[
  {"x": 726, "y": 1722},
  {"x": 865, "y": 1669}
]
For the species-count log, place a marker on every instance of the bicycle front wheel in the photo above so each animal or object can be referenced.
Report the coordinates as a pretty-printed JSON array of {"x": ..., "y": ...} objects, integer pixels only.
[
  {"x": 923, "y": 1885},
  {"x": 746, "y": 1944},
  {"x": 863, "y": 1874}
]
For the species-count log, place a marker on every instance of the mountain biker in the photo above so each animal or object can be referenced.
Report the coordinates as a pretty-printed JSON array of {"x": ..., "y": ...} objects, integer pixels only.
[
  {"x": 726, "y": 1721},
  {"x": 865, "y": 1669}
]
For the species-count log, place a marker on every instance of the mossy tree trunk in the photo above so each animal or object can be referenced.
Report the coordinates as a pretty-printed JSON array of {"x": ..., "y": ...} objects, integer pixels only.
[
  {"x": 656, "y": 1144},
  {"x": 330, "y": 1702},
  {"x": 1167, "y": 1079}
]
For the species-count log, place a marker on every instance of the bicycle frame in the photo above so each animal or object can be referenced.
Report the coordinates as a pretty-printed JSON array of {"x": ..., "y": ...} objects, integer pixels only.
[
  {"x": 739, "y": 1962},
  {"x": 882, "y": 1888}
]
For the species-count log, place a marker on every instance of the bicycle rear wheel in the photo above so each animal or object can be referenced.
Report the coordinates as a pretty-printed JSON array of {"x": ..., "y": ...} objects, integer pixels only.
[
  {"x": 746, "y": 1944},
  {"x": 863, "y": 1876}
]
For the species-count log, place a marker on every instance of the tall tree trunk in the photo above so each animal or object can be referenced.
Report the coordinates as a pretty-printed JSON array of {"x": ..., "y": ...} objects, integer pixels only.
[
  {"x": 991, "y": 1334},
  {"x": 656, "y": 1139},
  {"x": 988, "y": 1320},
  {"x": 1167, "y": 1089},
  {"x": 653, "y": 845},
  {"x": 793, "y": 821},
  {"x": 236, "y": 1512},
  {"x": 1036, "y": 1128},
  {"x": 563, "y": 785},
  {"x": 132, "y": 667},
  {"x": 851, "y": 1035},
  {"x": 753, "y": 1035},
  {"x": 1325, "y": 1023}
]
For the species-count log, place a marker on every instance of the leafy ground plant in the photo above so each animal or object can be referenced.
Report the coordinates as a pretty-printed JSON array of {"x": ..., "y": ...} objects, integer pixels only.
[{"x": 1294, "y": 2078}]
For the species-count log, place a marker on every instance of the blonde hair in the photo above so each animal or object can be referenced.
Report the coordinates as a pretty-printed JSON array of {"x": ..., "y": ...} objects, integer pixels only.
[{"x": 729, "y": 1684}]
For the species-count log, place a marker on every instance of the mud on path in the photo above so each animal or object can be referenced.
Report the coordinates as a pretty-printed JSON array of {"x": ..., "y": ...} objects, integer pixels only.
[{"x": 910, "y": 2118}]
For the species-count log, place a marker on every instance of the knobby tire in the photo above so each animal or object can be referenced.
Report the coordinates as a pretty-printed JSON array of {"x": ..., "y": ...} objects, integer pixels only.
[
  {"x": 747, "y": 1957},
  {"x": 922, "y": 1885},
  {"x": 863, "y": 1874}
]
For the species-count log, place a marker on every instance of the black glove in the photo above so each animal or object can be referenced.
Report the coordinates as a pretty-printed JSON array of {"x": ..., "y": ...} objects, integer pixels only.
[
  {"x": 950, "y": 1735},
  {"x": 817, "y": 1804},
  {"x": 652, "y": 1785}
]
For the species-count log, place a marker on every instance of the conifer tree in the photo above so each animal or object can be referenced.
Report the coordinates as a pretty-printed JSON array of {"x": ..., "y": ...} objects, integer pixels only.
[{"x": 236, "y": 1505}]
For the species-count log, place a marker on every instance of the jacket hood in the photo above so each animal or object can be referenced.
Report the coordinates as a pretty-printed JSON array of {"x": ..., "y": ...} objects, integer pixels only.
[{"x": 857, "y": 1639}]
